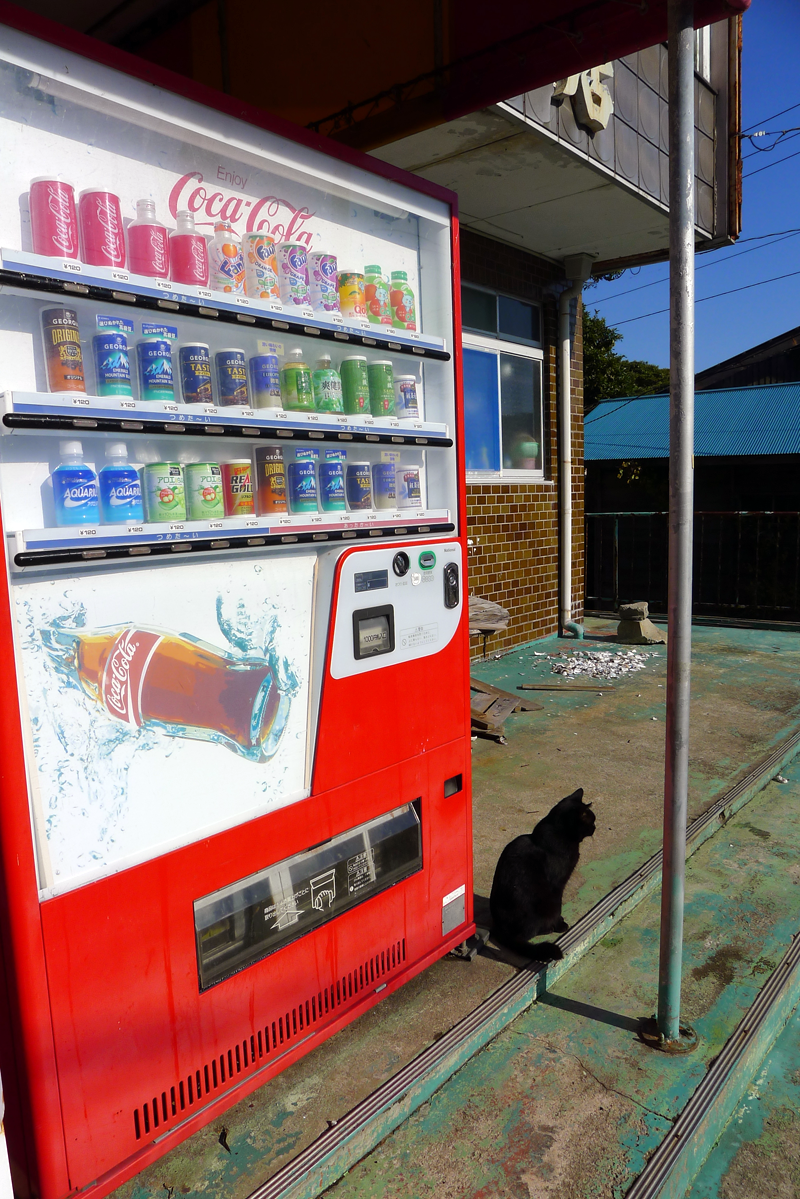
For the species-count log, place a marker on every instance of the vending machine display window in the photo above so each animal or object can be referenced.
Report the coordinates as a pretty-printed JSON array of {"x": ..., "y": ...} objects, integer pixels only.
[{"x": 241, "y": 924}]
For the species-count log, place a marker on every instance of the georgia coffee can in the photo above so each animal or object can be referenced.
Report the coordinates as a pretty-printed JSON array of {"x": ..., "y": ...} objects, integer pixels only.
[
  {"x": 54, "y": 220},
  {"x": 232, "y": 378},
  {"x": 195, "y": 366},
  {"x": 63, "y": 353}
]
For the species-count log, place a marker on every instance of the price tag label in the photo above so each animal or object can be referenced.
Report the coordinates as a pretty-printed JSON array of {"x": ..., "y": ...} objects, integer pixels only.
[
  {"x": 81, "y": 402},
  {"x": 249, "y": 413},
  {"x": 281, "y": 415},
  {"x": 251, "y": 524},
  {"x": 311, "y": 416},
  {"x": 343, "y": 420},
  {"x": 177, "y": 528},
  {"x": 171, "y": 408},
  {"x": 316, "y": 520},
  {"x": 243, "y": 301},
  {"x": 88, "y": 532},
  {"x": 210, "y": 411},
  {"x": 205, "y": 293},
  {"x": 128, "y": 404},
  {"x": 75, "y": 267},
  {"x": 135, "y": 529},
  {"x": 284, "y": 520},
  {"x": 163, "y": 284},
  {"x": 215, "y": 524}
]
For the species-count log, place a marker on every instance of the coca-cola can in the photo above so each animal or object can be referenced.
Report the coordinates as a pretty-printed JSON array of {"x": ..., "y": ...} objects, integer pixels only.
[
  {"x": 102, "y": 236},
  {"x": 54, "y": 223}
]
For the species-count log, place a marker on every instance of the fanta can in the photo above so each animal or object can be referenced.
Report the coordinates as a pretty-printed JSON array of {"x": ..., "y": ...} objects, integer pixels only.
[
  {"x": 293, "y": 274},
  {"x": 260, "y": 266},
  {"x": 225, "y": 260}
]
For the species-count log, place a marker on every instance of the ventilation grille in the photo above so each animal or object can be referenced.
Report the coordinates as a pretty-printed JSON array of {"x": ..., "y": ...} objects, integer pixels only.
[{"x": 215, "y": 1077}]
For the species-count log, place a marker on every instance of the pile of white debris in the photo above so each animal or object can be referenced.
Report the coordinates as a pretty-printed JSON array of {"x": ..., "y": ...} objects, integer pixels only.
[{"x": 600, "y": 664}]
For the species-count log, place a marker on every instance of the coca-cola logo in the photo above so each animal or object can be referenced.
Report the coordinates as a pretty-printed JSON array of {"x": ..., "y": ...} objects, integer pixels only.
[
  {"x": 270, "y": 214},
  {"x": 58, "y": 204},
  {"x": 124, "y": 674},
  {"x": 158, "y": 247},
  {"x": 111, "y": 244}
]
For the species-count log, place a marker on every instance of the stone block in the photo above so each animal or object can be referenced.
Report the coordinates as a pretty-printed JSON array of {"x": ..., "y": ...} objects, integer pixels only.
[{"x": 636, "y": 611}]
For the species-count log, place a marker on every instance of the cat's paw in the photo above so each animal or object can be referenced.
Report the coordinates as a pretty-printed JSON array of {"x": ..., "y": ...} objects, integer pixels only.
[{"x": 560, "y": 925}]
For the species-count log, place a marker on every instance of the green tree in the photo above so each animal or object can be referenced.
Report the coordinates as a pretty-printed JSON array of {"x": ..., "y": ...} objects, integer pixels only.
[{"x": 607, "y": 374}]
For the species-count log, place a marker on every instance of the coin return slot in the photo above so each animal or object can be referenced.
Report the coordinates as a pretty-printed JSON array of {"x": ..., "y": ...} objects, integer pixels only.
[{"x": 454, "y": 785}]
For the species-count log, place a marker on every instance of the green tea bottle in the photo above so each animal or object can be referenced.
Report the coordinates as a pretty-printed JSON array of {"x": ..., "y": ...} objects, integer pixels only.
[
  {"x": 327, "y": 386},
  {"x": 297, "y": 391}
]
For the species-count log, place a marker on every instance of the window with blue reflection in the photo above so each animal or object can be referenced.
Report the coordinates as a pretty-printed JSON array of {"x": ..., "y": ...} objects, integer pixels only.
[{"x": 481, "y": 411}]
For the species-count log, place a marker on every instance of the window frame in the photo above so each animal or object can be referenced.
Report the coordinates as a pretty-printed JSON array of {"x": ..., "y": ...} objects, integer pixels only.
[
  {"x": 497, "y": 346},
  {"x": 517, "y": 341}
]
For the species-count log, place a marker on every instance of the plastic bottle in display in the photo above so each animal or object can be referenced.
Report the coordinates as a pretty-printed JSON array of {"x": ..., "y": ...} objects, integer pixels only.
[
  {"x": 188, "y": 252},
  {"x": 54, "y": 218},
  {"x": 112, "y": 364},
  {"x": 177, "y": 684},
  {"x": 102, "y": 234},
  {"x": 401, "y": 298},
  {"x": 297, "y": 390},
  {"x": 226, "y": 264},
  {"x": 120, "y": 489},
  {"x": 63, "y": 354},
  {"x": 327, "y": 386},
  {"x": 148, "y": 243},
  {"x": 376, "y": 296},
  {"x": 74, "y": 488}
]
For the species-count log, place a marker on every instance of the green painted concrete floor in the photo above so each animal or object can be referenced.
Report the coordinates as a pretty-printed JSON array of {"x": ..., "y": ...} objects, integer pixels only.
[
  {"x": 758, "y": 1155},
  {"x": 567, "y": 1102},
  {"x": 746, "y": 698}
]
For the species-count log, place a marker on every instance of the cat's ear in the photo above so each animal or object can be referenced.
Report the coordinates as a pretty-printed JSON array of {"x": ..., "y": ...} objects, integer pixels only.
[{"x": 576, "y": 794}]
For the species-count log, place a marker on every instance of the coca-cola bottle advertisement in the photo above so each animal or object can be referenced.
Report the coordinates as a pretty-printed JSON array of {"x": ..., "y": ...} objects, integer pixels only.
[{"x": 163, "y": 706}]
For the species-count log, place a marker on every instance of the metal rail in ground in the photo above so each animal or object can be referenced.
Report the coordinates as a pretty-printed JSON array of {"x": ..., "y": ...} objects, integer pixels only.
[
  {"x": 358, "y": 1132},
  {"x": 671, "y": 1170}
]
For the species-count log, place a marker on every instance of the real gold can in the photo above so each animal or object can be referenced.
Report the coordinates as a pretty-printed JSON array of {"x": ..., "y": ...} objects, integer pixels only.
[{"x": 237, "y": 483}]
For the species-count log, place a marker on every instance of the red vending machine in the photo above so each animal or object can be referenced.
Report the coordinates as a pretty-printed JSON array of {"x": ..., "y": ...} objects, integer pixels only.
[{"x": 234, "y": 805}]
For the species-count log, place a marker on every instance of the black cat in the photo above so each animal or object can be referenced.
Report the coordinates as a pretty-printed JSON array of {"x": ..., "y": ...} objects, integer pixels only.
[{"x": 531, "y": 875}]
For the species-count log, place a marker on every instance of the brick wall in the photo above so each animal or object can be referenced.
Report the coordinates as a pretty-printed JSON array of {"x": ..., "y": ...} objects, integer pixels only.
[{"x": 514, "y": 524}]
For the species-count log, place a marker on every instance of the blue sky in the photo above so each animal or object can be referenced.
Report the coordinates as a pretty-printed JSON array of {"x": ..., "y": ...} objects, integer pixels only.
[{"x": 771, "y": 202}]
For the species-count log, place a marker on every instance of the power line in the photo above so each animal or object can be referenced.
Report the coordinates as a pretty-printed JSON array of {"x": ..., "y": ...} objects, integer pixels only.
[
  {"x": 771, "y": 164},
  {"x": 717, "y": 262},
  {"x": 785, "y": 135},
  {"x": 703, "y": 299},
  {"x": 774, "y": 116}
]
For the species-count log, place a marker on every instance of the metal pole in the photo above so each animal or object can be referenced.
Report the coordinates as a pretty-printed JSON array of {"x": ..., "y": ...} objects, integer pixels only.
[{"x": 681, "y": 444}]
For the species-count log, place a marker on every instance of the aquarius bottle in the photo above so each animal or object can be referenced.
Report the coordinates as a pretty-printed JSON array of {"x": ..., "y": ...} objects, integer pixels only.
[
  {"x": 188, "y": 252},
  {"x": 120, "y": 489},
  {"x": 148, "y": 243},
  {"x": 74, "y": 487}
]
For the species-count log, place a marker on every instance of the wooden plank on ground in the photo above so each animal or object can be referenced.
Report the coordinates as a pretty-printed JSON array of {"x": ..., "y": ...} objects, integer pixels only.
[{"x": 522, "y": 705}]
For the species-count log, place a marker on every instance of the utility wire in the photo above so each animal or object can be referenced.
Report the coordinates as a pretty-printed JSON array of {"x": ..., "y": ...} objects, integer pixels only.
[
  {"x": 703, "y": 299},
  {"x": 703, "y": 266},
  {"x": 774, "y": 116},
  {"x": 758, "y": 170}
]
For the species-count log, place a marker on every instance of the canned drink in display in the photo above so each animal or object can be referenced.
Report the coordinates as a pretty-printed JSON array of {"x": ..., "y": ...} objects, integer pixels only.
[
  {"x": 376, "y": 296},
  {"x": 203, "y": 484},
  {"x": 381, "y": 388},
  {"x": 270, "y": 480},
  {"x": 237, "y": 479},
  {"x": 112, "y": 364},
  {"x": 164, "y": 495},
  {"x": 155, "y": 369},
  {"x": 225, "y": 260},
  {"x": 195, "y": 364},
  {"x": 383, "y": 485},
  {"x": 359, "y": 486},
  {"x": 301, "y": 480},
  {"x": 232, "y": 378},
  {"x": 409, "y": 491},
  {"x": 355, "y": 384},
  {"x": 265, "y": 381},
  {"x": 406, "y": 405},
  {"x": 331, "y": 486},
  {"x": 351, "y": 296},
  {"x": 323, "y": 278},
  {"x": 63, "y": 353},
  {"x": 297, "y": 390},
  {"x": 292, "y": 259},
  {"x": 100, "y": 222},
  {"x": 54, "y": 218},
  {"x": 260, "y": 266}
]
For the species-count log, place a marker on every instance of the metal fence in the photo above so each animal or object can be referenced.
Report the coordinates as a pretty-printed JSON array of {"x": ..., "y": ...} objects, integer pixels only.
[{"x": 746, "y": 564}]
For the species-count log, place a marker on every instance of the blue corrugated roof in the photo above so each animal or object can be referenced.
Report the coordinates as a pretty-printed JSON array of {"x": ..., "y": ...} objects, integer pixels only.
[{"x": 731, "y": 421}]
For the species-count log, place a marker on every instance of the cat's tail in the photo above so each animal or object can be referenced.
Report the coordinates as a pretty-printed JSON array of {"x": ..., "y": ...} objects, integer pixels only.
[{"x": 542, "y": 951}]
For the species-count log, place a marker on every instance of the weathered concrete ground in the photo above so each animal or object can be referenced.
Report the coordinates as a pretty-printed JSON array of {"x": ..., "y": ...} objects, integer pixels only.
[{"x": 746, "y": 697}]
